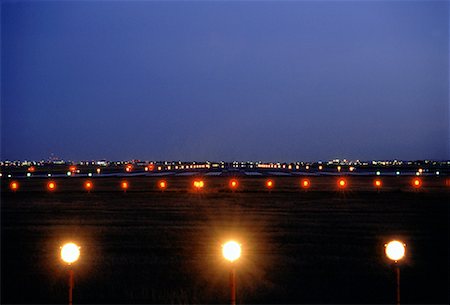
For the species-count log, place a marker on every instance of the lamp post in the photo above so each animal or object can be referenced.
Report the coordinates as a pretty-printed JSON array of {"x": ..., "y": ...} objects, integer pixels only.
[
  {"x": 395, "y": 251},
  {"x": 70, "y": 253},
  {"x": 232, "y": 251}
]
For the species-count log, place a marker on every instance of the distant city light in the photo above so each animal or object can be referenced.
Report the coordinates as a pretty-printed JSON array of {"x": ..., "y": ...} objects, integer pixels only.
[
  {"x": 28, "y": 174},
  {"x": 31, "y": 169},
  {"x": 90, "y": 175},
  {"x": 397, "y": 173},
  {"x": 49, "y": 175},
  {"x": 395, "y": 250},
  {"x": 9, "y": 176},
  {"x": 437, "y": 173},
  {"x": 352, "y": 168},
  {"x": 378, "y": 173},
  {"x": 320, "y": 167},
  {"x": 72, "y": 168},
  {"x": 270, "y": 184},
  {"x": 98, "y": 171},
  {"x": 339, "y": 168},
  {"x": 69, "y": 173},
  {"x": 124, "y": 185}
]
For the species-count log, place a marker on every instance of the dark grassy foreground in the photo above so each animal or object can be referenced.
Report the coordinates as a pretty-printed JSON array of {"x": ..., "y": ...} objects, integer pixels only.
[{"x": 151, "y": 247}]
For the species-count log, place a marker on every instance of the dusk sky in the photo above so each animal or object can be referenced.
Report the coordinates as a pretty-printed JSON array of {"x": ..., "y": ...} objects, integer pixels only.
[{"x": 216, "y": 80}]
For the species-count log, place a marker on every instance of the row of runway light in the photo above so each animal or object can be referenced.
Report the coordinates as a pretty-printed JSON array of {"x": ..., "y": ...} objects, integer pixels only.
[
  {"x": 395, "y": 251},
  {"x": 200, "y": 184}
]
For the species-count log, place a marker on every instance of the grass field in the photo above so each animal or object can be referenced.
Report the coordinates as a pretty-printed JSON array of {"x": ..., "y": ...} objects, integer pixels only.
[{"x": 148, "y": 246}]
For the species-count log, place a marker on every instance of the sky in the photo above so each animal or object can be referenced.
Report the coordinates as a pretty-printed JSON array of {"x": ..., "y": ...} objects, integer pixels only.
[{"x": 217, "y": 80}]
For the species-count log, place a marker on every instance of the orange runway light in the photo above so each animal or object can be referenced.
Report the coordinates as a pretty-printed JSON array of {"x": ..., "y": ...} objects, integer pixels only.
[
  {"x": 124, "y": 185},
  {"x": 14, "y": 186},
  {"x": 342, "y": 183},
  {"x": 270, "y": 184},
  {"x": 377, "y": 183},
  {"x": 51, "y": 186},
  {"x": 234, "y": 184},
  {"x": 305, "y": 183},
  {"x": 88, "y": 185},
  {"x": 199, "y": 184},
  {"x": 162, "y": 185},
  {"x": 417, "y": 183}
]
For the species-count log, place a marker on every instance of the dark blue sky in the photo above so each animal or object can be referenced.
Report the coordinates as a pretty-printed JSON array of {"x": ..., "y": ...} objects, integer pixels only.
[{"x": 216, "y": 80}]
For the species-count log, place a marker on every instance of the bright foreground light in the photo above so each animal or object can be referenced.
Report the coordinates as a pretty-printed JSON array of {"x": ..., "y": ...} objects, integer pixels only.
[
  {"x": 231, "y": 251},
  {"x": 395, "y": 250},
  {"x": 70, "y": 253}
]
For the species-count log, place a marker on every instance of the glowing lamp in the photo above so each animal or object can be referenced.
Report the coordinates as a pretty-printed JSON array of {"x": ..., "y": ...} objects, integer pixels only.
[
  {"x": 31, "y": 169},
  {"x": 377, "y": 183},
  {"x": 72, "y": 168},
  {"x": 305, "y": 183},
  {"x": 233, "y": 184},
  {"x": 342, "y": 183},
  {"x": 417, "y": 183},
  {"x": 70, "y": 253},
  {"x": 124, "y": 185},
  {"x": 198, "y": 184},
  {"x": 51, "y": 186},
  {"x": 231, "y": 251},
  {"x": 98, "y": 171},
  {"x": 88, "y": 185},
  {"x": 395, "y": 250},
  {"x": 14, "y": 186},
  {"x": 320, "y": 167},
  {"x": 162, "y": 184},
  {"x": 339, "y": 168},
  {"x": 269, "y": 184}
]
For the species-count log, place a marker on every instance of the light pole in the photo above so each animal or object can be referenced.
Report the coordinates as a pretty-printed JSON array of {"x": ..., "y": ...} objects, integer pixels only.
[
  {"x": 70, "y": 253},
  {"x": 232, "y": 251},
  {"x": 395, "y": 251}
]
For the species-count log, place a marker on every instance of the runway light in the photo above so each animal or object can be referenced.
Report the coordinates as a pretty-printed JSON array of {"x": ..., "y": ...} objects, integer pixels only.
[
  {"x": 69, "y": 173},
  {"x": 378, "y": 173},
  {"x": 199, "y": 184},
  {"x": 49, "y": 175},
  {"x": 14, "y": 186},
  {"x": 88, "y": 185},
  {"x": 305, "y": 183},
  {"x": 270, "y": 184},
  {"x": 395, "y": 250},
  {"x": 70, "y": 253},
  {"x": 417, "y": 183},
  {"x": 124, "y": 185},
  {"x": 397, "y": 173},
  {"x": 98, "y": 171},
  {"x": 342, "y": 183},
  {"x": 231, "y": 251},
  {"x": 320, "y": 167},
  {"x": 377, "y": 183},
  {"x": 90, "y": 175},
  {"x": 28, "y": 174},
  {"x": 51, "y": 186},
  {"x": 162, "y": 184},
  {"x": 233, "y": 183}
]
